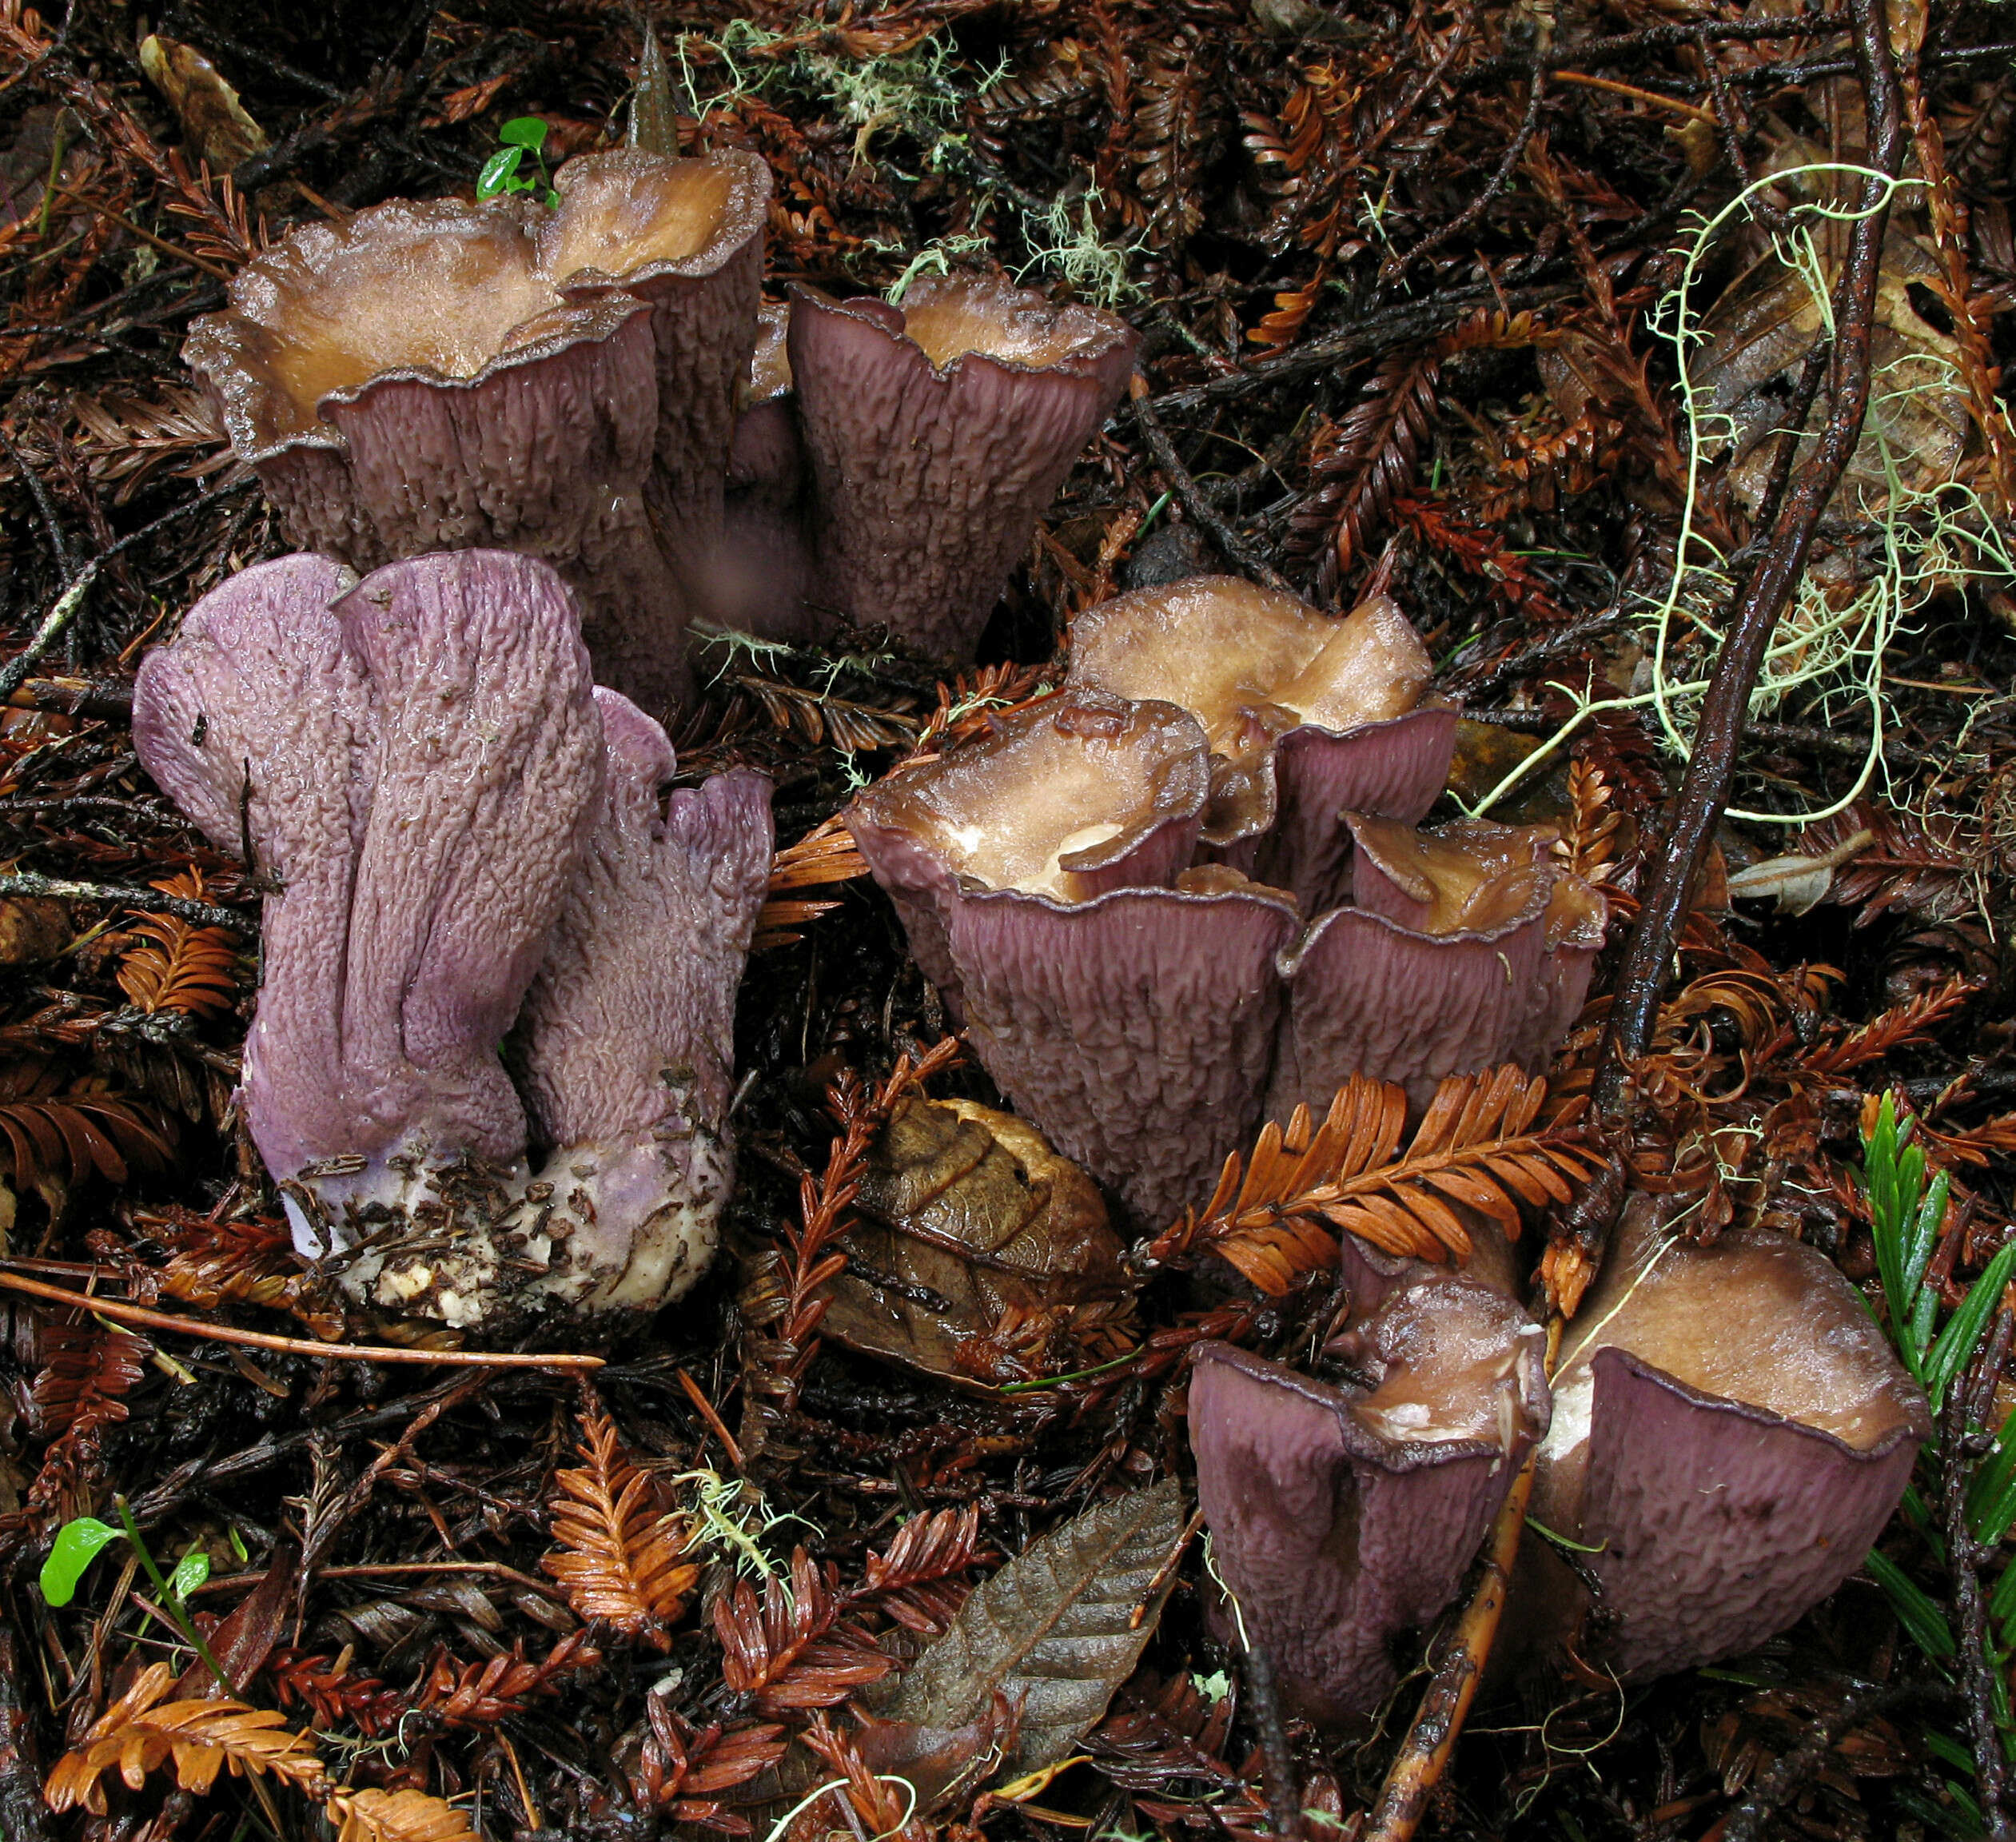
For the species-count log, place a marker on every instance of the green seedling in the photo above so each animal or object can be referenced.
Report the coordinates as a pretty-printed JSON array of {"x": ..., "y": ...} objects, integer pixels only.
[
  {"x": 83, "y": 1539},
  {"x": 522, "y": 135}
]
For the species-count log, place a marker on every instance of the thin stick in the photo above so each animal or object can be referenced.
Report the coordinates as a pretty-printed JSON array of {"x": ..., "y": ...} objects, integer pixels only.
[
  {"x": 1199, "y": 510},
  {"x": 200, "y": 914},
  {"x": 124, "y": 1313},
  {"x": 1439, "y": 1720},
  {"x": 705, "y": 1408},
  {"x": 64, "y": 609},
  {"x": 1711, "y": 769},
  {"x": 1631, "y": 90}
]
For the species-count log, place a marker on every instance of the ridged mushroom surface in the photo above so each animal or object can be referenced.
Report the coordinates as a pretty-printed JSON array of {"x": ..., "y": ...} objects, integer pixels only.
[
  {"x": 937, "y": 432},
  {"x": 1731, "y": 1432},
  {"x": 455, "y": 376},
  {"x": 1343, "y": 1516}
]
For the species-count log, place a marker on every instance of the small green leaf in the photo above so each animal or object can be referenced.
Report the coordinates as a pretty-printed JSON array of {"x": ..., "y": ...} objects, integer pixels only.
[
  {"x": 1923, "y": 1622},
  {"x": 1991, "y": 1492},
  {"x": 1956, "y": 1342},
  {"x": 1943, "y": 1746},
  {"x": 238, "y": 1547},
  {"x": 526, "y": 131},
  {"x": 190, "y": 1571},
  {"x": 77, "y": 1546},
  {"x": 497, "y": 171}
]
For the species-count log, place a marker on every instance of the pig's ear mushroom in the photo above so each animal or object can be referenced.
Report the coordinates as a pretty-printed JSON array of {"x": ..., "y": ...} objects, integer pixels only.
[
  {"x": 628, "y": 1036},
  {"x": 1733, "y": 1431},
  {"x": 255, "y": 721},
  {"x": 760, "y": 581},
  {"x": 447, "y": 376},
  {"x": 937, "y": 432},
  {"x": 1342, "y": 1516},
  {"x": 1132, "y": 1021},
  {"x": 418, "y": 761},
  {"x": 1466, "y": 946},
  {"x": 1307, "y": 716},
  {"x": 686, "y": 236}
]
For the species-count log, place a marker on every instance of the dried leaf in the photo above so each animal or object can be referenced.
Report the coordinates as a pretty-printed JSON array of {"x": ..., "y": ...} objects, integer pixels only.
[
  {"x": 1054, "y": 1631},
  {"x": 968, "y": 1216},
  {"x": 620, "y": 1545},
  {"x": 373, "y": 1815},
  {"x": 212, "y": 118}
]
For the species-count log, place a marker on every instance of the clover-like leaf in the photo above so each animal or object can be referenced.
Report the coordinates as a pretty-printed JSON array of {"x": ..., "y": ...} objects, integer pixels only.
[
  {"x": 77, "y": 1546},
  {"x": 498, "y": 171}
]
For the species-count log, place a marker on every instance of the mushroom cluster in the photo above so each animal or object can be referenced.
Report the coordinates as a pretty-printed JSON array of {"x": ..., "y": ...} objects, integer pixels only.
[
  {"x": 491, "y": 1063},
  {"x": 1727, "y": 1432},
  {"x": 595, "y": 385},
  {"x": 1186, "y": 892}
]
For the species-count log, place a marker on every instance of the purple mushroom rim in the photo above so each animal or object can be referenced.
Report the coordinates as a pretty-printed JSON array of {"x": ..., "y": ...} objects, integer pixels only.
[
  {"x": 1258, "y": 667},
  {"x": 1019, "y": 855},
  {"x": 962, "y": 321},
  {"x": 1343, "y": 1515},
  {"x": 453, "y": 294},
  {"x": 1732, "y": 1433}
]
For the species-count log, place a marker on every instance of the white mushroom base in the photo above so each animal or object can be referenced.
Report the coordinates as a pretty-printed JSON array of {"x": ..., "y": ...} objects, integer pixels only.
[{"x": 598, "y": 1228}]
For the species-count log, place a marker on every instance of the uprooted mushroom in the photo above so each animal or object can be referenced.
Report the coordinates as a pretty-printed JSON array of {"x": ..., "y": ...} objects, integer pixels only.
[
  {"x": 460, "y": 834},
  {"x": 449, "y": 376},
  {"x": 1145, "y": 1003}
]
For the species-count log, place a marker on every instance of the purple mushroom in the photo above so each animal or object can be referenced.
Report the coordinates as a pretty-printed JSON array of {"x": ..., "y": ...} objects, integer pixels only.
[
  {"x": 1146, "y": 1010},
  {"x": 1342, "y": 1517},
  {"x": 1306, "y": 716},
  {"x": 1731, "y": 1431},
  {"x": 937, "y": 432},
  {"x": 629, "y": 1027},
  {"x": 761, "y": 579},
  {"x": 451, "y": 376},
  {"x": 417, "y": 762}
]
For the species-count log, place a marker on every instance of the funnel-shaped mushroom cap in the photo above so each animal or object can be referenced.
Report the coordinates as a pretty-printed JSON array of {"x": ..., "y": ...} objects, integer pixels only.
[
  {"x": 1260, "y": 669},
  {"x": 937, "y": 432},
  {"x": 629, "y": 1027},
  {"x": 686, "y": 236},
  {"x": 1341, "y": 1517},
  {"x": 419, "y": 762},
  {"x": 1458, "y": 955},
  {"x": 1081, "y": 793},
  {"x": 1732, "y": 1431},
  {"x": 448, "y": 375},
  {"x": 1135, "y": 1029}
]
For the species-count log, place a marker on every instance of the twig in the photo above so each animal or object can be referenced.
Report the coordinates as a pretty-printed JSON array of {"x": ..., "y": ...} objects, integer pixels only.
[
  {"x": 44, "y": 507},
  {"x": 184, "y": 907},
  {"x": 1401, "y": 261},
  {"x": 65, "y": 608},
  {"x": 1424, "y": 1753},
  {"x": 1959, "y": 1450},
  {"x": 124, "y": 1313},
  {"x": 1711, "y": 771},
  {"x": 1283, "y": 1795},
  {"x": 1201, "y": 512},
  {"x": 705, "y": 1408}
]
